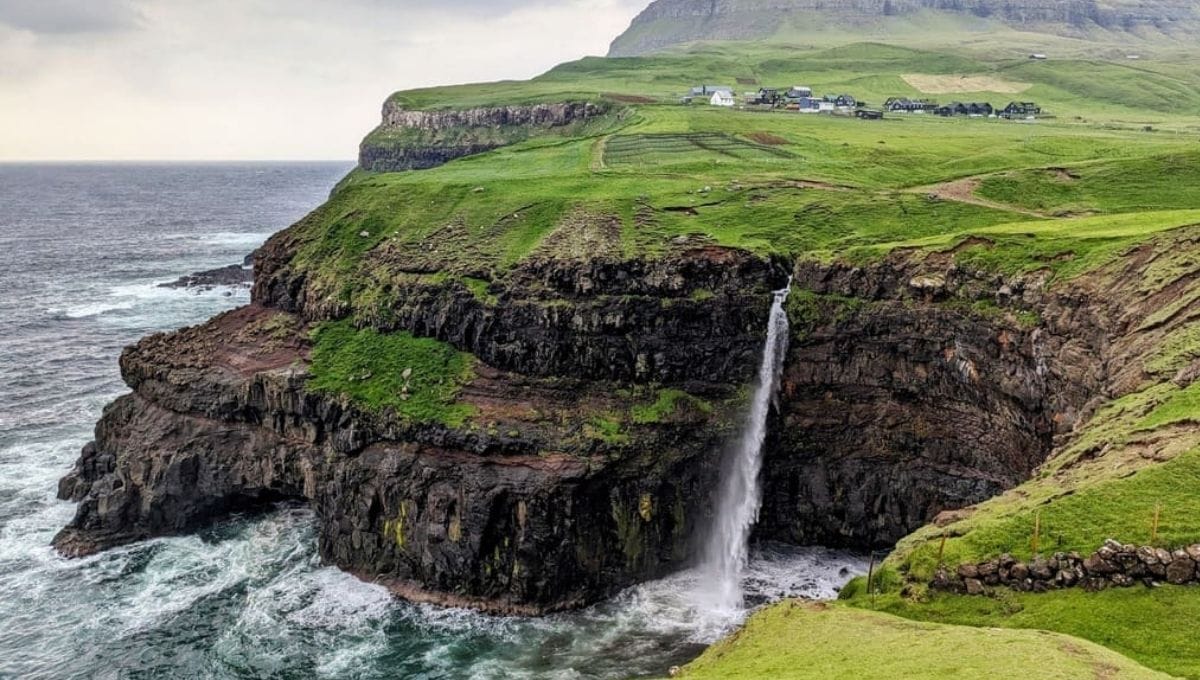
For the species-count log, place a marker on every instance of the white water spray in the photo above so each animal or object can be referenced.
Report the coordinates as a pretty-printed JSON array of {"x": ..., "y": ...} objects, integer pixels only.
[{"x": 739, "y": 496}]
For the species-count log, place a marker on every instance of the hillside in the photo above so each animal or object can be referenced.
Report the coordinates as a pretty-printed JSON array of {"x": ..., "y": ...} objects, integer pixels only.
[
  {"x": 1007, "y": 25},
  {"x": 502, "y": 360}
]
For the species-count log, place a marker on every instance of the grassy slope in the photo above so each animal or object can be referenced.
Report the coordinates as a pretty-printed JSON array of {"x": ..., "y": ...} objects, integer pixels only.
[
  {"x": 505, "y": 202},
  {"x": 1153, "y": 183},
  {"x": 793, "y": 640},
  {"x": 491, "y": 211},
  {"x": 1161, "y": 90}
]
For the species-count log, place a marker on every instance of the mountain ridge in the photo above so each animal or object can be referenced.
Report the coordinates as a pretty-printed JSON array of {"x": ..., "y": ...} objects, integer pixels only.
[{"x": 667, "y": 23}]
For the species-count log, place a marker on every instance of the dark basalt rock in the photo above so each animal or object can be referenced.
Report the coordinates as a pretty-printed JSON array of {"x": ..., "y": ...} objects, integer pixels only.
[
  {"x": 232, "y": 275},
  {"x": 418, "y": 140},
  {"x": 897, "y": 403}
]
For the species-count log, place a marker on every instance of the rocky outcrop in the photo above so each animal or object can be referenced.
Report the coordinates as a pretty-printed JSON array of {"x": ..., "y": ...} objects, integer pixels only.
[
  {"x": 912, "y": 386},
  {"x": 416, "y": 140},
  {"x": 672, "y": 22},
  {"x": 534, "y": 115},
  {"x": 1114, "y": 565},
  {"x": 232, "y": 275},
  {"x": 692, "y": 316}
]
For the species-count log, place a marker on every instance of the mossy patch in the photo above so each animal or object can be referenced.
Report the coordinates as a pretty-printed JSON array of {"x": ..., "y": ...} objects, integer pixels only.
[
  {"x": 416, "y": 378},
  {"x": 606, "y": 428},
  {"x": 667, "y": 404}
]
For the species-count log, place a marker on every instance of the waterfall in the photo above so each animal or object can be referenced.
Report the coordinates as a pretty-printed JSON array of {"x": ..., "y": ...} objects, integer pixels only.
[{"x": 739, "y": 495}]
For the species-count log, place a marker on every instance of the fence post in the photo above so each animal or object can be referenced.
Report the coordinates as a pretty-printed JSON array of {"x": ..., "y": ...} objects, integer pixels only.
[
  {"x": 871, "y": 578},
  {"x": 1154, "y": 526},
  {"x": 1037, "y": 532}
]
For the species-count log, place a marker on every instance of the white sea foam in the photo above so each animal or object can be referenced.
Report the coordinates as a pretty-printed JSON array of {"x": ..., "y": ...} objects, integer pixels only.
[{"x": 232, "y": 239}]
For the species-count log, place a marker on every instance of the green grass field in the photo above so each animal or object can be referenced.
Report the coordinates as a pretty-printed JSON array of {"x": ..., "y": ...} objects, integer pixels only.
[{"x": 793, "y": 641}]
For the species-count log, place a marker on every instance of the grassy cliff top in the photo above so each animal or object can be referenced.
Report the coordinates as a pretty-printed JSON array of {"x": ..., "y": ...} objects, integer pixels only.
[{"x": 781, "y": 182}]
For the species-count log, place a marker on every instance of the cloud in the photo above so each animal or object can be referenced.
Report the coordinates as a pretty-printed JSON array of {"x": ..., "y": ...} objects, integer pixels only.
[
  {"x": 68, "y": 16},
  {"x": 264, "y": 79}
]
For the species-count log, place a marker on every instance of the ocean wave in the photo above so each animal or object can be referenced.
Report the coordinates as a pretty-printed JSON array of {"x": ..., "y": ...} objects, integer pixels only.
[
  {"x": 89, "y": 309},
  {"x": 231, "y": 239},
  {"x": 148, "y": 296}
]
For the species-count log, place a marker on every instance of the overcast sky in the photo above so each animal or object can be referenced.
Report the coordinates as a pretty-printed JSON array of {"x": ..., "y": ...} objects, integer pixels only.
[{"x": 258, "y": 79}]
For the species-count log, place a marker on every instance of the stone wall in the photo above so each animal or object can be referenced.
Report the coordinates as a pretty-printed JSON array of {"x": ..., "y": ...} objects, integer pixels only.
[{"x": 1113, "y": 565}]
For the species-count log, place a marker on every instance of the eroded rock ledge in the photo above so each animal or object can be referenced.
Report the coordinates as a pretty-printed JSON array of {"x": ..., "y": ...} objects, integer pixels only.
[
  {"x": 408, "y": 139},
  {"x": 911, "y": 387}
]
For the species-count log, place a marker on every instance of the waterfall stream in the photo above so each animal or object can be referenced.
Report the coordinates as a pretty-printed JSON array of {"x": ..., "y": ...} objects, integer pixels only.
[{"x": 739, "y": 494}]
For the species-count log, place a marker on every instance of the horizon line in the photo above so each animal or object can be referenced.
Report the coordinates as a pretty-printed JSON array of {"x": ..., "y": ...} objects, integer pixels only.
[{"x": 132, "y": 161}]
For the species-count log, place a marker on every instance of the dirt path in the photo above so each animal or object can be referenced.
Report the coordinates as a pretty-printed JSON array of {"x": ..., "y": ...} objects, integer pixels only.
[
  {"x": 598, "y": 148},
  {"x": 963, "y": 191}
]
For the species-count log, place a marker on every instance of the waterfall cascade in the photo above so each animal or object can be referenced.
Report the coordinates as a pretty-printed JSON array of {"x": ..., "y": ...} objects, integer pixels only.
[{"x": 739, "y": 494}]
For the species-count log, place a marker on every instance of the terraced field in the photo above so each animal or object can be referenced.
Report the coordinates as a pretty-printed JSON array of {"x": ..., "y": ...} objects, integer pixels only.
[{"x": 658, "y": 149}]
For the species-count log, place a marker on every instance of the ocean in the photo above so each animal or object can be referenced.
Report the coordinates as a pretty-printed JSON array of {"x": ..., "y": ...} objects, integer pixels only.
[{"x": 83, "y": 248}]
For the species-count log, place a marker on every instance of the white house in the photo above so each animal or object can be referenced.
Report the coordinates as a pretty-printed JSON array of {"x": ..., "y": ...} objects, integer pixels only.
[{"x": 722, "y": 98}]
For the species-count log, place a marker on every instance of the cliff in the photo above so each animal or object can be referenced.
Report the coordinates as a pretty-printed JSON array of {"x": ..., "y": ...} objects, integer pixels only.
[
  {"x": 409, "y": 139},
  {"x": 599, "y": 397},
  {"x": 673, "y": 22}
]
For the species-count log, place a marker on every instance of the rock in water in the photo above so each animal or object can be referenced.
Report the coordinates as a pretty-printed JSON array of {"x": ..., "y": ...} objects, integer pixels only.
[{"x": 232, "y": 275}]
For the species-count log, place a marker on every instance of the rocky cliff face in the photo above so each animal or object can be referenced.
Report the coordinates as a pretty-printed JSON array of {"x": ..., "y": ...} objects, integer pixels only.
[
  {"x": 603, "y": 390},
  {"x": 892, "y": 411},
  {"x": 417, "y": 140},
  {"x": 530, "y": 507},
  {"x": 671, "y": 22},
  {"x": 900, "y": 399}
]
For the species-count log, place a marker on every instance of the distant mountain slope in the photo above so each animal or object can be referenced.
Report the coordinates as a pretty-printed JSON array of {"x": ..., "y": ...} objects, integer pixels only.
[{"x": 672, "y": 22}]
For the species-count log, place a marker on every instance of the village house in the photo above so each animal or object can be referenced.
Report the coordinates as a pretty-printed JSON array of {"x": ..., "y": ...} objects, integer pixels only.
[
  {"x": 1021, "y": 111},
  {"x": 767, "y": 96},
  {"x": 799, "y": 92},
  {"x": 807, "y": 105},
  {"x": 842, "y": 101},
  {"x": 704, "y": 93},
  {"x": 976, "y": 109},
  {"x": 722, "y": 98},
  {"x": 906, "y": 105}
]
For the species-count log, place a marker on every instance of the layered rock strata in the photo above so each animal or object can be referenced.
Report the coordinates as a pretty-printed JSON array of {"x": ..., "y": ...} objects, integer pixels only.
[
  {"x": 911, "y": 387},
  {"x": 410, "y": 139}
]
